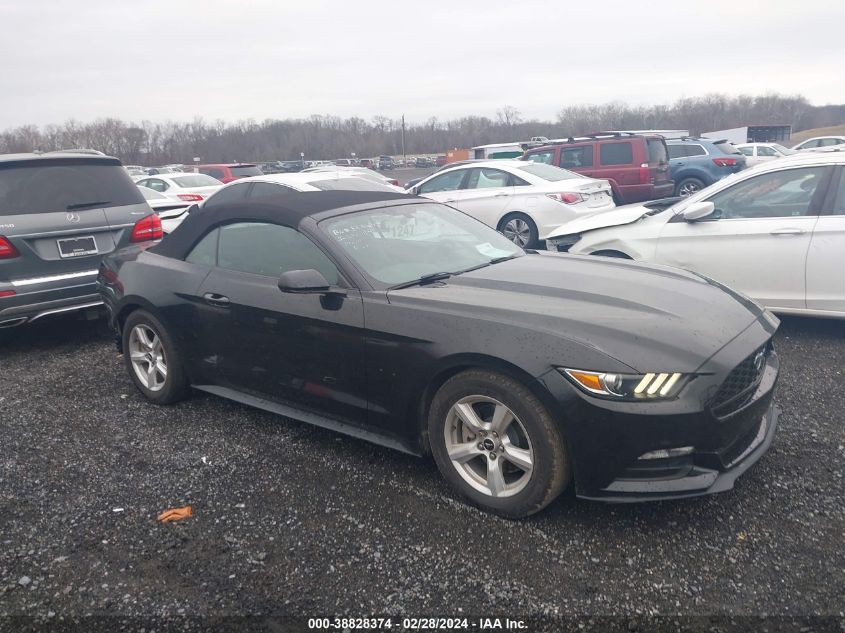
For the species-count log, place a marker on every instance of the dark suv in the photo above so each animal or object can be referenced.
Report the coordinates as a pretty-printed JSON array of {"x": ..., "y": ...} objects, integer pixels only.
[
  {"x": 59, "y": 215},
  {"x": 696, "y": 163},
  {"x": 636, "y": 166}
]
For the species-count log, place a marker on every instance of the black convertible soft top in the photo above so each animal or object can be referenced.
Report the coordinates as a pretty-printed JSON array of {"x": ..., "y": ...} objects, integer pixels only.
[{"x": 285, "y": 209}]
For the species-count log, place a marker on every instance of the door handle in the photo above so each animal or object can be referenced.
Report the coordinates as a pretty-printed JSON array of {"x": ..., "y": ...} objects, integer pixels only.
[
  {"x": 501, "y": 195},
  {"x": 215, "y": 299},
  {"x": 787, "y": 232},
  {"x": 450, "y": 199}
]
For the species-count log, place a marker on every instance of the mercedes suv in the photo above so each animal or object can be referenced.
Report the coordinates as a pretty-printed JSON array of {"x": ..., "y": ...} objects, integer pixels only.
[{"x": 59, "y": 215}]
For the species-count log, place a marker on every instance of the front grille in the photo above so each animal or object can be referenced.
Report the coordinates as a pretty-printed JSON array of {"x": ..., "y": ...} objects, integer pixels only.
[{"x": 738, "y": 387}]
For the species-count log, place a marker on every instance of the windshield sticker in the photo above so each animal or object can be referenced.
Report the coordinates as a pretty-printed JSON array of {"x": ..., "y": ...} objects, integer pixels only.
[{"x": 488, "y": 250}]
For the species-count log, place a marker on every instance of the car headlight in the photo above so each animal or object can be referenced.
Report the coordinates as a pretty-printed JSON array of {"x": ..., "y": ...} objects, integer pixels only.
[{"x": 649, "y": 386}]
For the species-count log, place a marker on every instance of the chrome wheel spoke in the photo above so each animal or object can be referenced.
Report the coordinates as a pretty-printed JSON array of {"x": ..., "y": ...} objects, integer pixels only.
[
  {"x": 462, "y": 453},
  {"x": 495, "y": 478},
  {"x": 137, "y": 356},
  {"x": 502, "y": 418},
  {"x": 146, "y": 354},
  {"x": 519, "y": 457},
  {"x": 161, "y": 368},
  {"x": 469, "y": 417}
]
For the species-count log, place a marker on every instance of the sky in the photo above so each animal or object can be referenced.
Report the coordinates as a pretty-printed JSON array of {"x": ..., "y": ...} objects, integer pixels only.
[{"x": 161, "y": 60}]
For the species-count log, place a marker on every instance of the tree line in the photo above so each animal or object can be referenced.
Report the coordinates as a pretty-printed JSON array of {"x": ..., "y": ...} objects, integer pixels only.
[{"x": 331, "y": 137}]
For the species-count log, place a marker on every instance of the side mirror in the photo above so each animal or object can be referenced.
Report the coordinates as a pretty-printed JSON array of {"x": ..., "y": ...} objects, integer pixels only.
[
  {"x": 307, "y": 282},
  {"x": 698, "y": 211}
]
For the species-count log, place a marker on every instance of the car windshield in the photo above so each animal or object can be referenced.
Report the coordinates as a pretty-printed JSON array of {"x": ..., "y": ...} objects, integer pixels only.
[
  {"x": 195, "y": 180},
  {"x": 548, "y": 172},
  {"x": 400, "y": 244},
  {"x": 782, "y": 150}
]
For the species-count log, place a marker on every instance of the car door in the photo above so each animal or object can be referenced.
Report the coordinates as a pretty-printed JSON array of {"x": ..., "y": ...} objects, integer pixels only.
[
  {"x": 757, "y": 238},
  {"x": 485, "y": 195},
  {"x": 306, "y": 350},
  {"x": 443, "y": 187},
  {"x": 826, "y": 257}
]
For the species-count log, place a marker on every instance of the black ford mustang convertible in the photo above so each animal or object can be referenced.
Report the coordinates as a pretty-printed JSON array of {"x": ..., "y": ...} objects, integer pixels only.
[{"x": 405, "y": 322}]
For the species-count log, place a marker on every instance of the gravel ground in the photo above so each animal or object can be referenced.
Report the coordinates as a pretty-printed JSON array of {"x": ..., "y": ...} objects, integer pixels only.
[{"x": 294, "y": 520}]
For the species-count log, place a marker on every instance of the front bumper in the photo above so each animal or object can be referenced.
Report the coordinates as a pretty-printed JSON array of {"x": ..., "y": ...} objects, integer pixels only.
[{"x": 704, "y": 448}]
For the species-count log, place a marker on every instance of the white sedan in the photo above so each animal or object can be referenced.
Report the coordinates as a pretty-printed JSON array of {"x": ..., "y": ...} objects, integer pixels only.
[
  {"x": 775, "y": 232},
  {"x": 181, "y": 186},
  {"x": 820, "y": 143},
  {"x": 523, "y": 200},
  {"x": 756, "y": 153}
]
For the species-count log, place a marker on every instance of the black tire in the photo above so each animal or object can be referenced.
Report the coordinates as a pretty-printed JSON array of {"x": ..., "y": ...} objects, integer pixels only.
[
  {"x": 551, "y": 470},
  {"x": 688, "y": 186},
  {"x": 533, "y": 235},
  {"x": 617, "y": 254},
  {"x": 175, "y": 385}
]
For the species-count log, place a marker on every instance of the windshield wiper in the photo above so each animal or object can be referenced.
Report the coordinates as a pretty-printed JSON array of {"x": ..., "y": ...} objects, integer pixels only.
[
  {"x": 82, "y": 205},
  {"x": 495, "y": 260},
  {"x": 425, "y": 279}
]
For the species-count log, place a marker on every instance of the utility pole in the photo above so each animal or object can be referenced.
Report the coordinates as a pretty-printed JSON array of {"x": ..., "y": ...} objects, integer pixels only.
[{"x": 404, "y": 157}]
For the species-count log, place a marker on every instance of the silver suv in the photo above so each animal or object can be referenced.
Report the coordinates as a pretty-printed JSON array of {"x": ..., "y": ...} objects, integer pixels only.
[{"x": 59, "y": 215}]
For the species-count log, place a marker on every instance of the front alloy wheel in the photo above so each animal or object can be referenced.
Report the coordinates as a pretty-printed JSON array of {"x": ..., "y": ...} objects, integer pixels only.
[
  {"x": 517, "y": 231},
  {"x": 488, "y": 446},
  {"x": 497, "y": 444}
]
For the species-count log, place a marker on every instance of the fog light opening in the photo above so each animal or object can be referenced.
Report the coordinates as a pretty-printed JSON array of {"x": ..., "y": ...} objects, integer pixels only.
[{"x": 666, "y": 453}]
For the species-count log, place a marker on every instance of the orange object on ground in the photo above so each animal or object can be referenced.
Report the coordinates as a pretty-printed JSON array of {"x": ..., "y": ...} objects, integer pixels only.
[{"x": 175, "y": 514}]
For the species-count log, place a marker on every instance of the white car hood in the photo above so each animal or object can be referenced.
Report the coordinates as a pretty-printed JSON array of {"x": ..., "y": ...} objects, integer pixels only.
[{"x": 614, "y": 217}]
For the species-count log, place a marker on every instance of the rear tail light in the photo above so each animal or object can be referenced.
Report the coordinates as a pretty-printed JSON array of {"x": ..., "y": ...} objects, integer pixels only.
[
  {"x": 645, "y": 174},
  {"x": 7, "y": 293},
  {"x": 394, "y": 182},
  {"x": 7, "y": 249},
  {"x": 147, "y": 228},
  {"x": 726, "y": 162},
  {"x": 566, "y": 198},
  {"x": 189, "y": 197}
]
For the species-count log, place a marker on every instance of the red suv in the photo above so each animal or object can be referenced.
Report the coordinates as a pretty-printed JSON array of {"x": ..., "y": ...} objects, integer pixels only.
[
  {"x": 227, "y": 172},
  {"x": 636, "y": 165}
]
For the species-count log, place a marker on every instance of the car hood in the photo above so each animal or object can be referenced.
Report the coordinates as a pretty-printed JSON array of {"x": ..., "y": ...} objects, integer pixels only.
[
  {"x": 615, "y": 217},
  {"x": 650, "y": 318}
]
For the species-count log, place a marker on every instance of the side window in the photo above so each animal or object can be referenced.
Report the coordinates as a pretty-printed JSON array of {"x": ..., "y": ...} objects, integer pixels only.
[
  {"x": 748, "y": 151},
  {"x": 575, "y": 157},
  {"x": 484, "y": 178},
  {"x": 157, "y": 185},
  {"x": 762, "y": 150},
  {"x": 516, "y": 181},
  {"x": 205, "y": 252},
  {"x": 695, "y": 150},
  {"x": 444, "y": 182},
  {"x": 616, "y": 154},
  {"x": 270, "y": 250},
  {"x": 779, "y": 194},
  {"x": 839, "y": 202},
  {"x": 827, "y": 142},
  {"x": 541, "y": 157},
  {"x": 232, "y": 193},
  {"x": 264, "y": 189},
  {"x": 144, "y": 183},
  {"x": 677, "y": 151},
  {"x": 809, "y": 144}
]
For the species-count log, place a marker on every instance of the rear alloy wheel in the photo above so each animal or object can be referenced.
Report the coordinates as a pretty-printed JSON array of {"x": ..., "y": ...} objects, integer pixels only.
[
  {"x": 689, "y": 186},
  {"x": 496, "y": 443},
  {"x": 519, "y": 229},
  {"x": 151, "y": 359}
]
